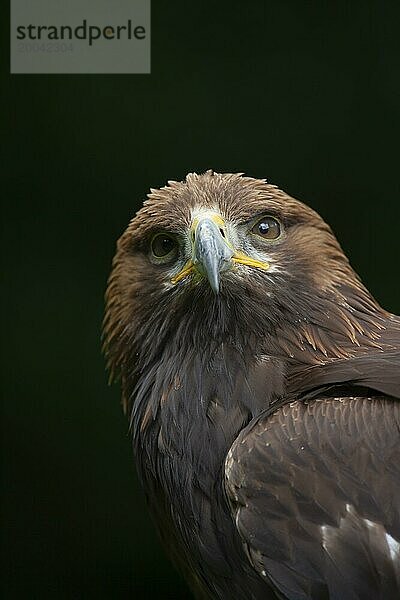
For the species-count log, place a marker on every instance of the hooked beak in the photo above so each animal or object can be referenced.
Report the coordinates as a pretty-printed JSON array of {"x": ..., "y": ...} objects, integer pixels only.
[{"x": 213, "y": 253}]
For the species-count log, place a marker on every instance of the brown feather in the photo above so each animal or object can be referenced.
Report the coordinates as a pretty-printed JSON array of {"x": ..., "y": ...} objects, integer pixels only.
[{"x": 198, "y": 368}]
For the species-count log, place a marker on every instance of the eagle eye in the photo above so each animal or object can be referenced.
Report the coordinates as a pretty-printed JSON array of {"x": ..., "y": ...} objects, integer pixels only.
[
  {"x": 267, "y": 228},
  {"x": 163, "y": 246}
]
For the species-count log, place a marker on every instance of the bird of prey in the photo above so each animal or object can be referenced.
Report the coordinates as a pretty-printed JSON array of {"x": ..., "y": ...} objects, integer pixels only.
[{"x": 262, "y": 384}]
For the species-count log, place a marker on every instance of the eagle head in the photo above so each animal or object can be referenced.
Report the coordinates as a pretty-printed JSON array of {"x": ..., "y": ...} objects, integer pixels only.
[{"x": 228, "y": 258}]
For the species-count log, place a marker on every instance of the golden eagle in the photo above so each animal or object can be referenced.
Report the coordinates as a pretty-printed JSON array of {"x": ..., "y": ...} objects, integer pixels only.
[{"x": 262, "y": 384}]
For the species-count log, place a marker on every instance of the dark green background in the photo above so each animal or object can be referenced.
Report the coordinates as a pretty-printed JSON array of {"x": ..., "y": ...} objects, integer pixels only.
[{"x": 305, "y": 94}]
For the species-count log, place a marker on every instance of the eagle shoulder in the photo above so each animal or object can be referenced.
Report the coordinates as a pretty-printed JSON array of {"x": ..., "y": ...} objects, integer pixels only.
[{"x": 313, "y": 490}]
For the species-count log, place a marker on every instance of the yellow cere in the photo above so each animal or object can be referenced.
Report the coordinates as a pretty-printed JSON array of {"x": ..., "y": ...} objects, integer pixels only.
[
  {"x": 243, "y": 259},
  {"x": 238, "y": 257},
  {"x": 187, "y": 269},
  {"x": 218, "y": 220}
]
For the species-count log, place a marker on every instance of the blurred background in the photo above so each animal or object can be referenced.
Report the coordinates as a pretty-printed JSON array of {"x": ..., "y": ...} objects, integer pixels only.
[{"x": 304, "y": 94}]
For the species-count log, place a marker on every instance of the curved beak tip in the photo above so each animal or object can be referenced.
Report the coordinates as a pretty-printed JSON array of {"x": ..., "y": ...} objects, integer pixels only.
[
  {"x": 213, "y": 278},
  {"x": 212, "y": 255}
]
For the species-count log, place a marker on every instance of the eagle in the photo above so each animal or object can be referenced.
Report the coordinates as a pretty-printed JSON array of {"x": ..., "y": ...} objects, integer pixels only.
[{"x": 261, "y": 380}]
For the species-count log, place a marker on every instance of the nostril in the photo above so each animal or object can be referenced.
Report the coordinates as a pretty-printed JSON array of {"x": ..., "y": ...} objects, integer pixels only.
[{"x": 222, "y": 232}]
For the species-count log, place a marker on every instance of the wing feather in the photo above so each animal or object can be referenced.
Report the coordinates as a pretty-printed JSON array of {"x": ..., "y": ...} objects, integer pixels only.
[
  {"x": 379, "y": 371},
  {"x": 314, "y": 492}
]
